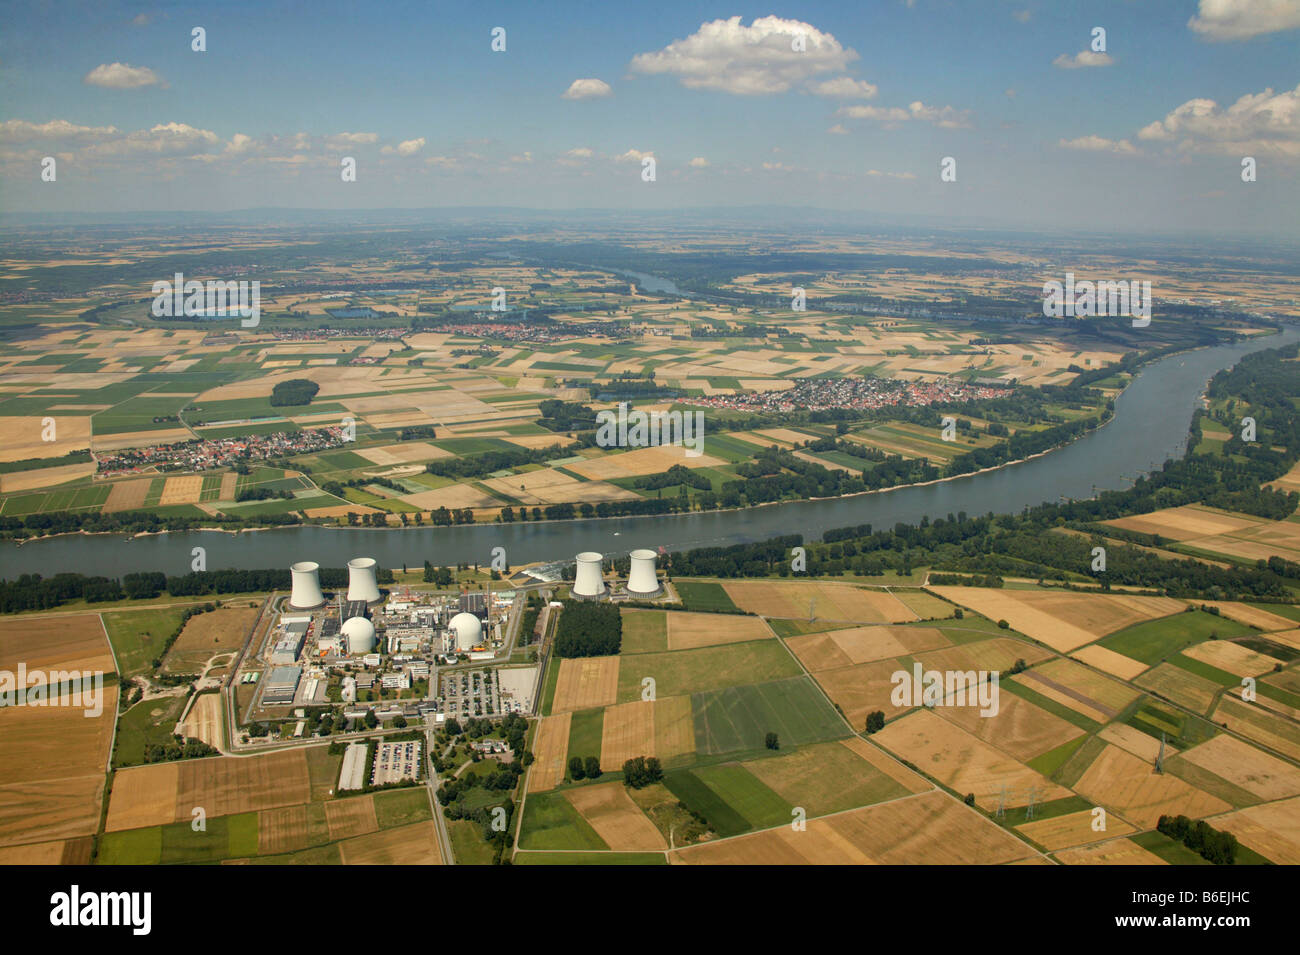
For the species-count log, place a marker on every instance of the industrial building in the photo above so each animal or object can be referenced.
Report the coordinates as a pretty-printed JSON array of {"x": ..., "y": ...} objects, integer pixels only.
[
  {"x": 305, "y": 593},
  {"x": 360, "y": 635},
  {"x": 280, "y": 685},
  {"x": 589, "y": 581},
  {"x": 467, "y": 630},
  {"x": 362, "y": 584},
  {"x": 286, "y": 649},
  {"x": 641, "y": 579}
]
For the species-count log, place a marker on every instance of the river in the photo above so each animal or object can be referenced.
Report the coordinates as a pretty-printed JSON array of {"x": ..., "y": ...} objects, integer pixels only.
[{"x": 1150, "y": 425}]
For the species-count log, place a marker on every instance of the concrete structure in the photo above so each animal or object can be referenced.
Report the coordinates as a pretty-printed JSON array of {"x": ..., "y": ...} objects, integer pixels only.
[
  {"x": 280, "y": 686},
  {"x": 305, "y": 593},
  {"x": 467, "y": 629},
  {"x": 287, "y": 648},
  {"x": 641, "y": 580},
  {"x": 589, "y": 584},
  {"x": 361, "y": 580},
  {"x": 359, "y": 634}
]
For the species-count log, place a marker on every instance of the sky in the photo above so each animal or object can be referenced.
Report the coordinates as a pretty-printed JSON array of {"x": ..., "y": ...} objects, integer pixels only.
[{"x": 1117, "y": 115}]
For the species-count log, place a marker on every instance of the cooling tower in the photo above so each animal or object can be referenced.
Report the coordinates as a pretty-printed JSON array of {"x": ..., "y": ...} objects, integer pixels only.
[
  {"x": 306, "y": 593},
  {"x": 589, "y": 582},
  {"x": 641, "y": 580},
  {"x": 468, "y": 630},
  {"x": 361, "y": 580},
  {"x": 359, "y": 634}
]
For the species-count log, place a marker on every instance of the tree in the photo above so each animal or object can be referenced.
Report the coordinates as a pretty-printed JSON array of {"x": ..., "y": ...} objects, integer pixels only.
[
  {"x": 771, "y": 742},
  {"x": 592, "y": 767},
  {"x": 577, "y": 770},
  {"x": 875, "y": 721}
]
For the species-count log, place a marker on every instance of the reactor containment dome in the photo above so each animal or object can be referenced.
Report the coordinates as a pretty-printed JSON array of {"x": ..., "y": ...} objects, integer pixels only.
[
  {"x": 305, "y": 593},
  {"x": 359, "y": 634},
  {"x": 468, "y": 630}
]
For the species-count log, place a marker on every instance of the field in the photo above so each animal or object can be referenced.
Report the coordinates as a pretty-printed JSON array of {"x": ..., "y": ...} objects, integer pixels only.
[
  {"x": 739, "y": 717},
  {"x": 73, "y": 642},
  {"x": 615, "y": 817},
  {"x": 550, "y": 751},
  {"x": 207, "y": 634},
  {"x": 682, "y": 672},
  {"x": 585, "y": 682},
  {"x": 816, "y": 600},
  {"x": 663, "y": 728},
  {"x": 688, "y": 631},
  {"x": 1126, "y": 785},
  {"x": 1271, "y": 830}
]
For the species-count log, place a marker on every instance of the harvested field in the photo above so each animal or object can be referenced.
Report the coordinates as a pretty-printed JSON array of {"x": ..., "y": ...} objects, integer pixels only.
[
  {"x": 549, "y": 486},
  {"x": 452, "y": 496},
  {"x": 887, "y": 764},
  {"x": 868, "y": 644},
  {"x": 1183, "y": 523},
  {"x": 963, "y": 762},
  {"x": 416, "y": 844},
  {"x": 1079, "y": 688},
  {"x": 160, "y": 793},
  {"x": 861, "y": 689},
  {"x": 925, "y": 606},
  {"x": 229, "y": 486},
  {"x": 999, "y": 653},
  {"x": 629, "y": 731},
  {"x": 203, "y": 722},
  {"x": 1243, "y": 765},
  {"x": 1126, "y": 668},
  {"x": 39, "y": 853},
  {"x": 641, "y": 461},
  {"x": 928, "y": 829},
  {"x": 55, "y": 643},
  {"x": 44, "y": 477},
  {"x": 791, "y": 599},
  {"x": 354, "y": 816},
  {"x": 825, "y": 778},
  {"x": 283, "y": 830},
  {"x": 24, "y": 437},
  {"x": 1063, "y": 621},
  {"x": 674, "y": 728},
  {"x": 127, "y": 495},
  {"x": 404, "y": 453},
  {"x": 1130, "y": 786},
  {"x": 1231, "y": 657},
  {"x": 1186, "y": 689},
  {"x": 1019, "y": 727},
  {"x": 585, "y": 682},
  {"x": 1252, "y": 616},
  {"x": 1144, "y": 747},
  {"x": 1072, "y": 829},
  {"x": 615, "y": 817},
  {"x": 687, "y": 631},
  {"x": 209, "y": 633},
  {"x": 1272, "y": 830},
  {"x": 1115, "y": 852},
  {"x": 182, "y": 490},
  {"x": 1258, "y": 725},
  {"x": 550, "y": 752}
]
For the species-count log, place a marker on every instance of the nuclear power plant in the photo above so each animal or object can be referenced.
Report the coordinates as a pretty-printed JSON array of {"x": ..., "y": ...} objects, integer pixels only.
[
  {"x": 361, "y": 581},
  {"x": 589, "y": 583},
  {"x": 641, "y": 579},
  {"x": 359, "y": 634},
  {"x": 468, "y": 631},
  {"x": 305, "y": 593}
]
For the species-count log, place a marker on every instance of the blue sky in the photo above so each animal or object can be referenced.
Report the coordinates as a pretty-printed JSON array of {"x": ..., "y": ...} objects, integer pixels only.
[{"x": 1044, "y": 131}]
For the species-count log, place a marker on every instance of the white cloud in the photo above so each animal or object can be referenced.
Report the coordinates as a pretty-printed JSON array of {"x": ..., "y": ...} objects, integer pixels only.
[
  {"x": 140, "y": 19},
  {"x": 945, "y": 117},
  {"x": 752, "y": 60},
  {"x": 588, "y": 88},
  {"x": 580, "y": 152},
  {"x": 1264, "y": 122},
  {"x": 699, "y": 162},
  {"x": 1084, "y": 58},
  {"x": 1099, "y": 144},
  {"x": 838, "y": 130},
  {"x": 891, "y": 175},
  {"x": 844, "y": 87},
  {"x": 1243, "y": 19},
  {"x": 407, "y": 147},
  {"x": 122, "y": 76},
  {"x": 633, "y": 155},
  {"x": 352, "y": 139}
]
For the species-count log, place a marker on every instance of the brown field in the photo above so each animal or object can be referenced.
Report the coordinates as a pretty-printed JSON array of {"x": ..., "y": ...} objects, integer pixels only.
[
  {"x": 128, "y": 495},
  {"x": 1144, "y": 747},
  {"x": 549, "y": 486},
  {"x": 1183, "y": 523},
  {"x": 404, "y": 453},
  {"x": 229, "y": 486},
  {"x": 1186, "y": 689},
  {"x": 550, "y": 752},
  {"x": 861, "y": 689},
  {"x": 686, "y": 631},
  {"x": 654, "y": 460},
  {"x": 888, "y": 765},
  {"x": 1287, "y": 482},
  {"x": 454, "y": 495},
  {"x": 585, "y": 682},
  {"x": 1063, "y": 621},
  {"x": 1019, "y": 728},
  {"x": 139, "y": 439},
  {"x": 45, "y": 853},
  {"x": 926, "y": 606},
  {"x": 1130, "y": 786},
  {"x": 1252, "y": 616},
  {"x": 1116, "y": 664},
  {"x": 1080, "y": 688},
  {"x": 416, "y": 844},
  {"x": 674, "y": 727},
  {"x": 791, "y": 599},
  {"x": 818, "y": 651},
  {"x": 1231, "y": 657},
  {"x": 662, "y": 728},
  {"x": 160, "y": 793},
  {"x": 23, "y": 436},
  {"x": 44, "y": 477},
  {"x": 1258, "y": 725},
  {"x": 1290, "y": 638},
  {"x": 999, "y": 653},
  {"x": 282, "y": 830},
  {"x": 55, "y": 643},
  {"x": 209, "y": 633},
  {"x": 1272, "y": 830},
  {"x": 869, "y": 644},
  {"x": 182, "y": 490},
  {"x": 927, "y": 829},
  {"x": 354, "y": 816},
  {"x": 963, "y": 762},
  {"x": 340, "y": 510},
  {"x": 203, "y": 721},
  {"x": 1072, "y": 829},
  {"x": 1116, "y": 852},
  {"x": 1240, "y": 763},
  {"x": 615, "y": 817}
]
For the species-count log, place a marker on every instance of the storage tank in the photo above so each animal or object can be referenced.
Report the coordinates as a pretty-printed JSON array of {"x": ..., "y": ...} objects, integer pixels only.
[
  {"x": 641, "y": 579},
  {"x": 589, "y": 583},
  {"x": 359, "y": 634},
  {"x": 305, "y": 593},
  {"x": 361, "y": 580},
  {"x": 468, "y": 630}
]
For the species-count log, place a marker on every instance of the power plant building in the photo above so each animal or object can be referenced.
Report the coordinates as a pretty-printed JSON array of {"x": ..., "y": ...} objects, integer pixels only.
[
  {"x": 641, "y": 579},
  {"x": 589, "y": 580},
  {"x": 359, "y": 634},
  {"x": 305, "y": 593},
  {"x": 362, "y": 584},
  {"x": 467, "y": 630},
  {"x": 280, "y": 685}
]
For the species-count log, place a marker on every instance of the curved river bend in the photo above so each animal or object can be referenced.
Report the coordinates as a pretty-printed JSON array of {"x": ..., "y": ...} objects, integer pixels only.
[{"x": 1149, "y": 426}]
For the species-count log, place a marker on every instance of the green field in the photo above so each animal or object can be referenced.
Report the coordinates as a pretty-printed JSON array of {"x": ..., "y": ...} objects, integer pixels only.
[
  {"x": 138, "y": 636},
  {"x": 551, "y": 822},
  {"x": 682, "y": 672},
  {"x": 704, "y": 595},
  {"x": 1156, "y": 640},
  {"x": 585, "y": 732},
  {"x": 740, "y": 717},
  {"x": 644, "y": 631}
]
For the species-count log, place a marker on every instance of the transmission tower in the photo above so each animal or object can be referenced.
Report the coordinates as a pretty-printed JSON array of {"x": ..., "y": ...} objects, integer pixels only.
[
  {"x": 1033, "y": 798},
  {"x": 1002, "y": 803},
  {"x": 1160, "y": 756},
  {"x": 811, "y": 604}
]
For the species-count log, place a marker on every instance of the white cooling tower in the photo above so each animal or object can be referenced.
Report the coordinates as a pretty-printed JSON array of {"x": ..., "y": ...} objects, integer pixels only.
[
  {"x": 361, "y": 580},
  {"x": 641, "y": 580},
  {"x": 359, "y": 634},
  {"x": 306, "y": 594},
  {"x": 467, "y": 629},
  {"x": 589, "y": 582}
]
